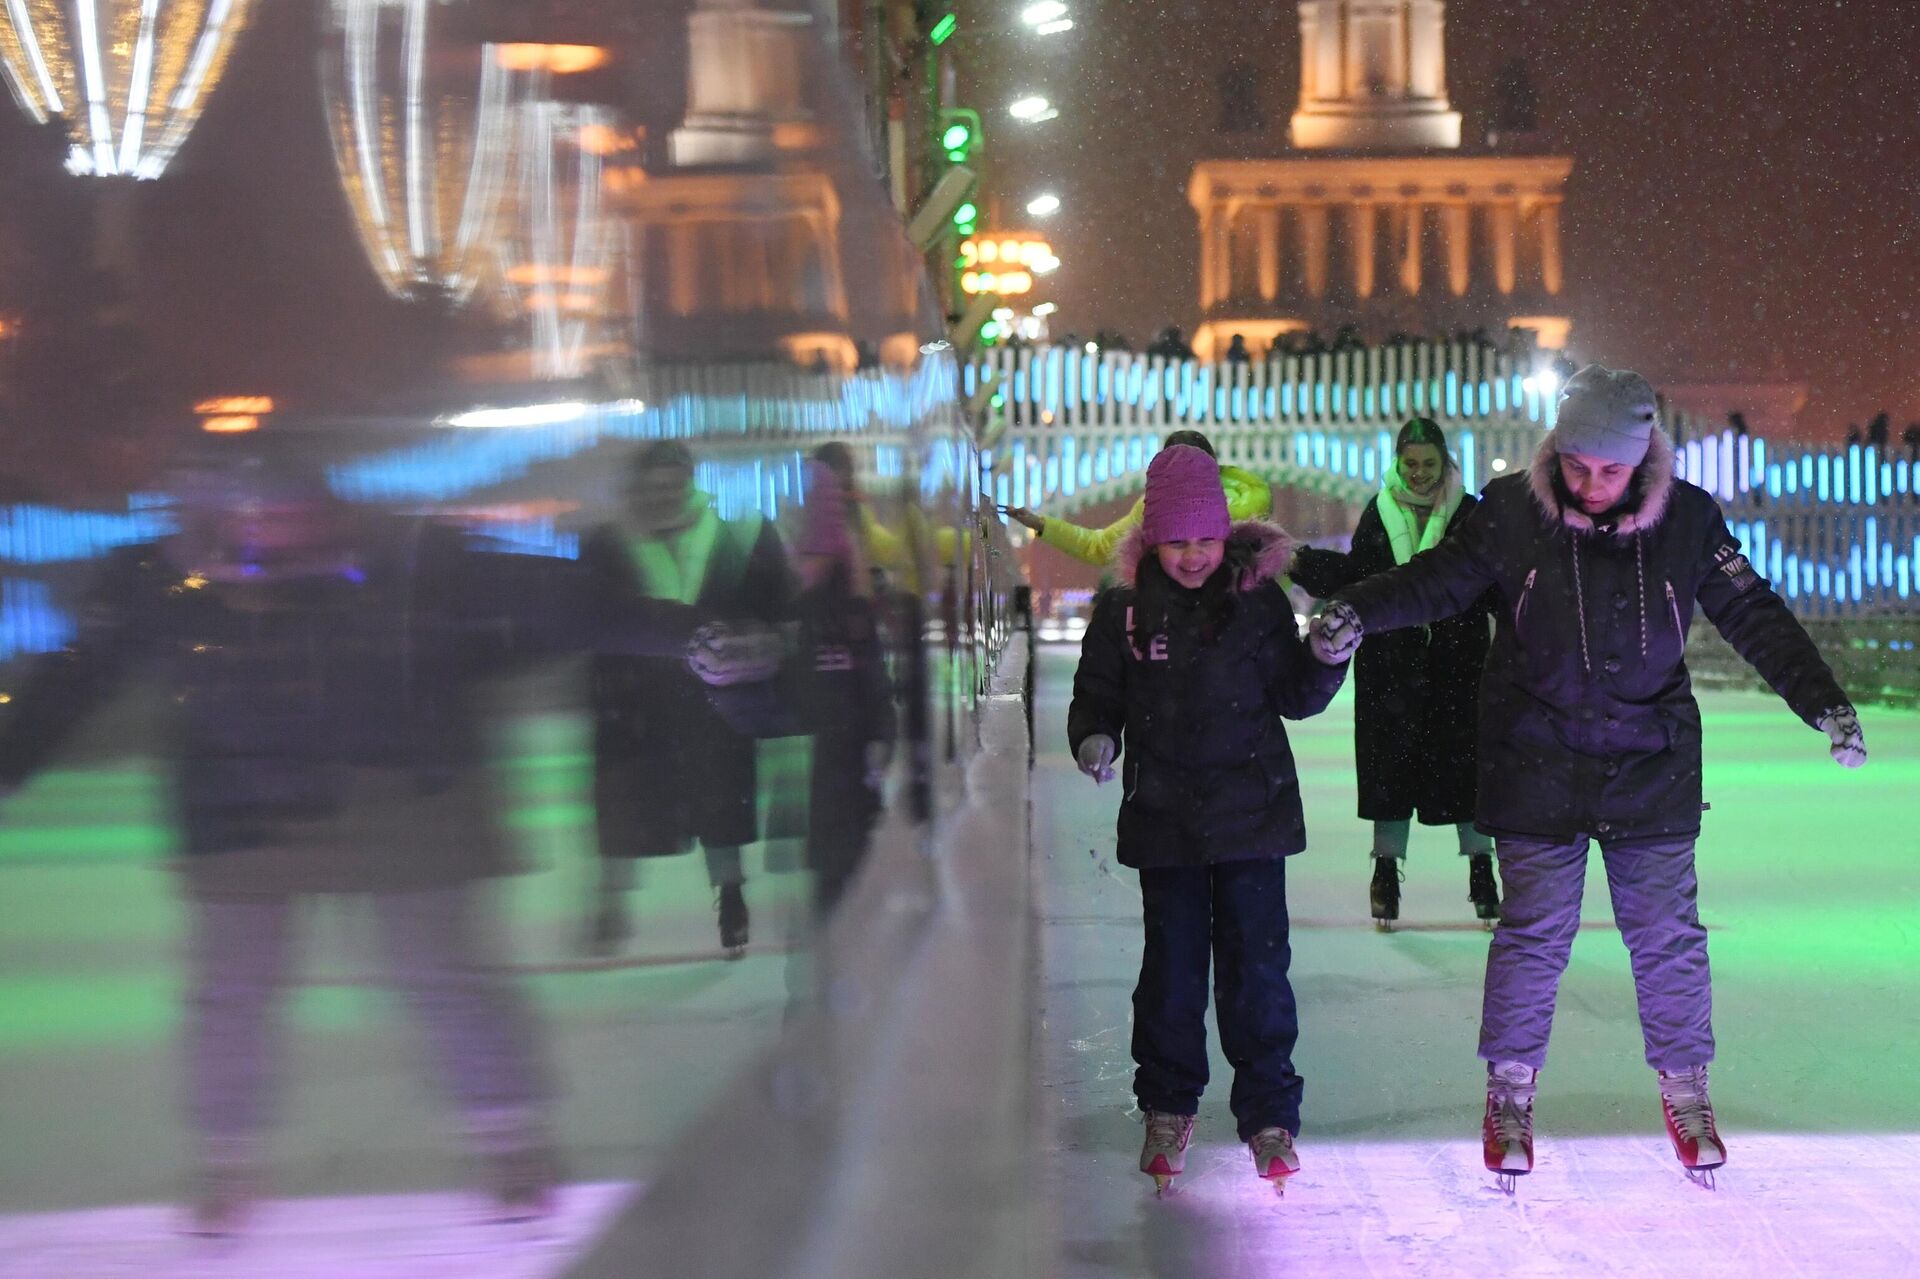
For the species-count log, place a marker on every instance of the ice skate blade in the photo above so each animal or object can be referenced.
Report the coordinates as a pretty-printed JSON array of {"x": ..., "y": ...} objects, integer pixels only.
[
  {"x": 1162, "y": 1183},
  {"x": 1702, "y": 1177},
  {"x": 1507, "y": 1181},
  {"x": 1279, "y": 1185},
  {"x": 1382, "y": 925},
  {"x": 736, "y": 952},
  {"x": 1489, "y": 924}
]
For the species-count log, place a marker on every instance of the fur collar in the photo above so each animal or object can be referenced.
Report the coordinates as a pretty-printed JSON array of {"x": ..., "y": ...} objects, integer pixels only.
[
  {"x": 1650, "y": 490},
  {"x": 1257, "y": 552}
]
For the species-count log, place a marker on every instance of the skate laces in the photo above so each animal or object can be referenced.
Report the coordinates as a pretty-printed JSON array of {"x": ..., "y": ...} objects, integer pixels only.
[
  {"x": 1164, "y": 1129},
  {"x": 1512, "y": 1099},
  {"x": 1685, "y": 1092}
]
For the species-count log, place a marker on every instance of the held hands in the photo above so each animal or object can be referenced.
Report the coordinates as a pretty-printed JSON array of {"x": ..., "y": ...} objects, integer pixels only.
[
  {"x": 722, "y": 655},
  {"x": 1095, "y": 758},
  {"x": 1842, "y": 727},
  {"x": 1335, "y": 633}
]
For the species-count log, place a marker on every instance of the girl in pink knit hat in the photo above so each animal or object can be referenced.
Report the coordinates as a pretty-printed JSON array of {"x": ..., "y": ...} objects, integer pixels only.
[{"x": 1186, "y": 674}]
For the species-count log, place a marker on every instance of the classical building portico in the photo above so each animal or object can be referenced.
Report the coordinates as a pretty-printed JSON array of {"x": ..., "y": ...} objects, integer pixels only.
[{"x": 1377, "y": 218}]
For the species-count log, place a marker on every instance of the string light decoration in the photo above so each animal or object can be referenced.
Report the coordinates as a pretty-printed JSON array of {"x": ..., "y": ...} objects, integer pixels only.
[{"x": 128, "y": 77}]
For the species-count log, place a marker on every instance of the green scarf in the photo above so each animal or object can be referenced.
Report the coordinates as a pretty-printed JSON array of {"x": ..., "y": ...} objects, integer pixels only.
[
  {"x": 673, "y": 566},
  {"x": 1407, "y": 537}
]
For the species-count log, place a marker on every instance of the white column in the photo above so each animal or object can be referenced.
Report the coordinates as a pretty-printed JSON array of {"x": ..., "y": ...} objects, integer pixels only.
[
  {"x": 1223, "y": 254},
  {"x": 1427, "y": 48},
  {"x": 1458, "y": 220},
  {"x": 1267, "y": 230},
  {"x": 1413, "y": 228},
  {"x": 1551, "y": 270},
  {"x": 1313, "y": 243},
  {"x": 1206, "y": 257},
  {"x": 1330, "y": 70},
  {"x": 1363, "y": 223},
  {"x": 1505, "y": 215},
  {"x": 1312, "y": 16}
]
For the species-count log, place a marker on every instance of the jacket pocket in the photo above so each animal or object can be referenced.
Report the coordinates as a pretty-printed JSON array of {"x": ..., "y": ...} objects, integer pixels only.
[{"x": 1520, "y": 609}]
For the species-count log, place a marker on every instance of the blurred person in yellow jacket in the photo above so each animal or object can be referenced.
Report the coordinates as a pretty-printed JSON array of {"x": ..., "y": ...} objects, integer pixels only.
[{"x": 1248, "y": 498}]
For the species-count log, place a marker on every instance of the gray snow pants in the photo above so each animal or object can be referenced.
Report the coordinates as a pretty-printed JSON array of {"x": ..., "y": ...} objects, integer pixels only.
[
  {"x": 1654, "y": 904},
  {"x": 436, "y": 948}
]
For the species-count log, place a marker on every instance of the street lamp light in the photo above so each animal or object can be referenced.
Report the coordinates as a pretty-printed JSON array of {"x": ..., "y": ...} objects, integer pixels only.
[
  {"x": 1043, "y": 12},
  {"x": 1032, "y": 109},
  {"x": 1044, "y": 206}
]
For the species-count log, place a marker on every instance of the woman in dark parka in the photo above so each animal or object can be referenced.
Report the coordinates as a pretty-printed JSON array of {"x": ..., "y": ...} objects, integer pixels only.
[{"x": 1415, "y": 691}]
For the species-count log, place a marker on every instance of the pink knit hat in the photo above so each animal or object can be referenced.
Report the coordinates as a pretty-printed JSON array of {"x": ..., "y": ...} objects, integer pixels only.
[{"x": 1184, "y": 498}]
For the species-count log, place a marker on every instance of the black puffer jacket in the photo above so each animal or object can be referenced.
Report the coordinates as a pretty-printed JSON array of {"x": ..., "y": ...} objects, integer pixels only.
[
  {"x": 1416, "y": 691},
  {"x": 1207, "y": 772},
  {"x": 1587, "y": 718}
]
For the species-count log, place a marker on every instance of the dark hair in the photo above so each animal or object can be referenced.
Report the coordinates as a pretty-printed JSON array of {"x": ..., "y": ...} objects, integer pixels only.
[
  {"x": 1421, "y": 430},
  {"x": 661, "y": 454},
  {"x": 838, "y": 458},
  {"x": 1153, "y": 588},
  {"x": 1195, "y": 438}
]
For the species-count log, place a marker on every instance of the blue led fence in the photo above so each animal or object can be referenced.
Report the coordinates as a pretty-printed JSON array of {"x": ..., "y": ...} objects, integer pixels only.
[{"x": 29, "y": 622}]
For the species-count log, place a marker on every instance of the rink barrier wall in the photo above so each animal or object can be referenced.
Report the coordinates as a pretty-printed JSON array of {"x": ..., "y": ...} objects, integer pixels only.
[{"x": 889, "y": 1132}]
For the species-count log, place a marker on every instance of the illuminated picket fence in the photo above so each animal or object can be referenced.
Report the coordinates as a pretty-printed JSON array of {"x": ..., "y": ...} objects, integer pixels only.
[
  {"x": 722, "y": 409},
  {"x": 1063, "y": 469},
  {"x": 1837, "y": 564},
  {"x": 1747, "y": 469},
  {"x": 1049, "y": 385}
]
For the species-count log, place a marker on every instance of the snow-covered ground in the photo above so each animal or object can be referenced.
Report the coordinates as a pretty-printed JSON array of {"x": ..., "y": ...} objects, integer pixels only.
[{"x": 1809, "y": 879}]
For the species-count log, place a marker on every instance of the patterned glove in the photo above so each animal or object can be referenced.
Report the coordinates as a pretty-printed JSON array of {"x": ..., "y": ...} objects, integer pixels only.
[
  {"x": 1095, "y": 758},
  {"x": 721, "y": 655},
  {"x": 1335, "y": 634},
  {"x": 1842, "y": 727}
]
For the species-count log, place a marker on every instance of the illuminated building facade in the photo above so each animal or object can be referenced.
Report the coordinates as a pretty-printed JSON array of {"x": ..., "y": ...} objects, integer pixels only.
[{"x": 1377, "y": 218}]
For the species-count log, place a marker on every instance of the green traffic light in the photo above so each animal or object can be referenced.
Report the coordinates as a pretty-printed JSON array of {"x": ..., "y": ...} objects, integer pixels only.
[
  {"x": 943, "y": 29},
  {"x": 957, "y": 138},
  {"x": 966, "y": 213}
]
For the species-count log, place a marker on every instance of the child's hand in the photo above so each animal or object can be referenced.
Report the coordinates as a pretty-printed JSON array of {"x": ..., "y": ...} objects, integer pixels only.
[{"x": 1095, "y": 758}]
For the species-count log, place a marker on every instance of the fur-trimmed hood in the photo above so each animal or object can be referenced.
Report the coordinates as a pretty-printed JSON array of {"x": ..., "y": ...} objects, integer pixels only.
[
  {"x": 1650, "y": 490},
  {"x": 1257, "y": 551}
]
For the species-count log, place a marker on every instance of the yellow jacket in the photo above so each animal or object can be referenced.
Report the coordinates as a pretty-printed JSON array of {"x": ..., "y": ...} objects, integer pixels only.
[{"x": 1248, "y": 498}]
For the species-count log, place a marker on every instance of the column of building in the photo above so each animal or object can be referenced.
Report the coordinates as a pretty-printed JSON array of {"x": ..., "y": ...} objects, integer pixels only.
[{"x": 1247, "y": 244}]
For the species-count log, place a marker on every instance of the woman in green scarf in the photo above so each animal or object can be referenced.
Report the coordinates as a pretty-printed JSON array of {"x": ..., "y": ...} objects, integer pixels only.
[{"x": 1416, "y": 691}]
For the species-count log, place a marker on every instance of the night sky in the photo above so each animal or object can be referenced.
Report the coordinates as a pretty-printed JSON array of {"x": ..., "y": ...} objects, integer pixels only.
[
  {"x": 1745, "y": 198},
  {"x": 1744, "y": 201}
]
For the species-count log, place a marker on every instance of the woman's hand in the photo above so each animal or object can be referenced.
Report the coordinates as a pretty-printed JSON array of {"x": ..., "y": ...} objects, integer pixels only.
[{"x": 1021, "y": 515}]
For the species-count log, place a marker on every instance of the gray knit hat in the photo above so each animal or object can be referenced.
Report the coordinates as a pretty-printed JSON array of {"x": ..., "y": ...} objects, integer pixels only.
[{"x": 1606, "y": 413}]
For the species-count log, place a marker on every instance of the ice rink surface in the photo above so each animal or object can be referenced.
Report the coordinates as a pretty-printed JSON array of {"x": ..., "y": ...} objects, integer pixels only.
[{"x": 1810, "y": 880}]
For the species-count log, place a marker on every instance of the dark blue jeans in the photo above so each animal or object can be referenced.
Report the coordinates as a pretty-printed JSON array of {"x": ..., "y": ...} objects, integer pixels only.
[{"x": 1234, "y": 914}]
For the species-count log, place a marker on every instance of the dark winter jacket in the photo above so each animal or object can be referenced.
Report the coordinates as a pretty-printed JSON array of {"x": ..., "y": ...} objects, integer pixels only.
[
  {"x": 1416, "y": 691},
  {"x": 292, "y": 703},
  {"x": 643, "y": 706},
  {"x": 1207, "y": 773},
  {"x": 1587, "y": 718}
]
